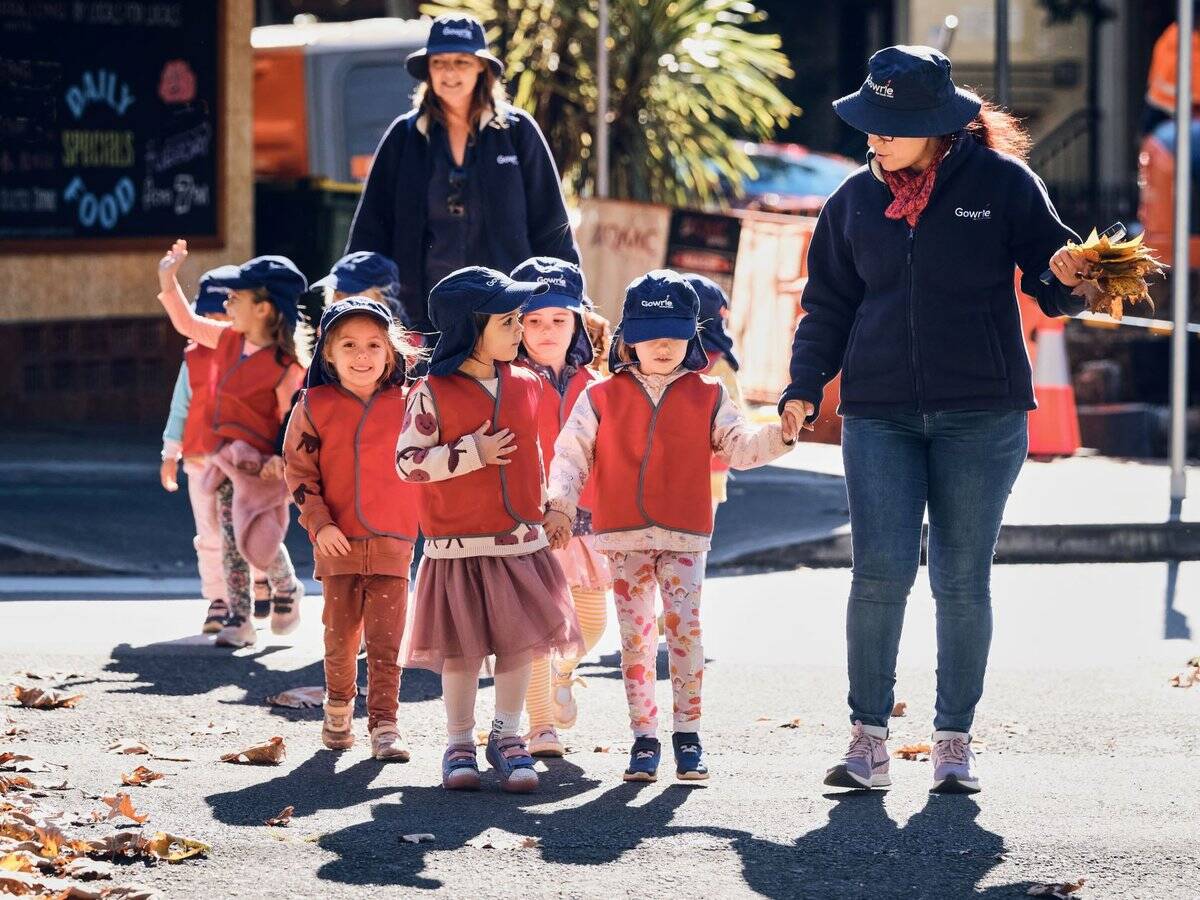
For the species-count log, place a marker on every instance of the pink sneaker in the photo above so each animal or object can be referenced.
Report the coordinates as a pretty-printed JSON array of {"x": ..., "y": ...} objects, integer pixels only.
[
  {"x": 953, "y": 764},
  {"x": 865, "y": 764}
]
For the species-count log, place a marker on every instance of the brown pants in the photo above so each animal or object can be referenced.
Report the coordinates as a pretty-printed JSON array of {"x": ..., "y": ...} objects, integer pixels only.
[{"x": 374, "y": 604}]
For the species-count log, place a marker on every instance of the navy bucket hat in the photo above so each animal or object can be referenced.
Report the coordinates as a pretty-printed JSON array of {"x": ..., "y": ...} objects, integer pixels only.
[
  {"x": 452, "y": 33},
  {"x": 210, "y": 296},
  {"x": 908, "y": 93},
  {"x": 564, "y": 290},
  {"x": 660, "y": 304},
  {"x": 320, "y": 371},
  {"x": 277, "y": 275},
  {"x": 713, "y": 302},
  {"x": 454, "y": 301},
  {"x": 361, "y": 270}
]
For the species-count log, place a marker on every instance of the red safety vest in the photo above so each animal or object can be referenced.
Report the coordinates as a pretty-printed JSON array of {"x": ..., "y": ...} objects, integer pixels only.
[
  {"x": 552, "y": 416},
  {"x": 199, "y": 439},
  {"x": 493, "y": 500},
  {"x": 359, "y": 482},
  {"x": 652, "y": 463},
  {"x": 245, "y": 407}
]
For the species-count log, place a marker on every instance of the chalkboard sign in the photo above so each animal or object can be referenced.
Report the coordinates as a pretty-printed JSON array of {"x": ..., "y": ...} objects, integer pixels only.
[{"x": 110, "y": 125}]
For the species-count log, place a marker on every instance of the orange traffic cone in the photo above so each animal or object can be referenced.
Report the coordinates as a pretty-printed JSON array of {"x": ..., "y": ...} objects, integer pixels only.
[{"x": 1054, "y": 425}]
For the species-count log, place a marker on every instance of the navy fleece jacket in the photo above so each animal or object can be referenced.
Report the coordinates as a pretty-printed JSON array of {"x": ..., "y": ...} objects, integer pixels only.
[
  {"x": 524, "y": 212},
  {"x": 925, "y": 319}
]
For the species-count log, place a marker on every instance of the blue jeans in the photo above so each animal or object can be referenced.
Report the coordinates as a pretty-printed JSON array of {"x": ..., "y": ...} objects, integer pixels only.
[{"x": 962, "y": 466}]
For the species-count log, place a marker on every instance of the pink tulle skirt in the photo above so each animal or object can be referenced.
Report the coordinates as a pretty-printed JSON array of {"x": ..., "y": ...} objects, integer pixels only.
[
  {"x": 490, "y": 605},
  {"x": 583, "y": 566}
]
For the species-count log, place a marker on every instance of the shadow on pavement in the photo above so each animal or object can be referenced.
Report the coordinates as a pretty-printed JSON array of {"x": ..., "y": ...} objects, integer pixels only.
[
  {"x": 191, "y": 665},
  {"x": 312, "y": 786}
]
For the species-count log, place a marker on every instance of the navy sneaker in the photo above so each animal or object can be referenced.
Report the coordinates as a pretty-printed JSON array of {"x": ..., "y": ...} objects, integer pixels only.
[
  {"x": 689, "y": 764},
  {"x": 510, "y": 758},
  {"x": 460, "y": 768},
  {"x": 643, "y": 760}
]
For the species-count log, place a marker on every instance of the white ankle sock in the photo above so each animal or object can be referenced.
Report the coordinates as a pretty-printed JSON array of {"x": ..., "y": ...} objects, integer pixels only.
[{"x": 506, "y": 724}]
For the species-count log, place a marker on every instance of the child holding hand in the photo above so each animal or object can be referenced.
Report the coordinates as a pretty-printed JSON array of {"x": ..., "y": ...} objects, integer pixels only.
[
  {"x": 556, "y": 345},
  {"x": 488, "y": 584},
  {"x": 255, "y": 373},
  {"x": 645, "y": 438},
  {"x": 361, "y": 517}
]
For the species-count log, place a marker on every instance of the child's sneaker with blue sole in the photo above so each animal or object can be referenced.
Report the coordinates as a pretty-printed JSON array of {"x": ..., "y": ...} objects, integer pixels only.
[
  {"x": 643, "y": 760},
  {"x": 689, "y": 756}
]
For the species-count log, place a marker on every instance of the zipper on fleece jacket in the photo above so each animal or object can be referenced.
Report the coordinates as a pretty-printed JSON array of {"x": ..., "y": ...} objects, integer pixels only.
[{"x": 914, "y": 359}]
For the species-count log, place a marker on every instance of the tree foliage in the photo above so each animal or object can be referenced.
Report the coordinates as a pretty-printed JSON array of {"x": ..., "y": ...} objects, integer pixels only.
[{"x": 689, "y": 81}]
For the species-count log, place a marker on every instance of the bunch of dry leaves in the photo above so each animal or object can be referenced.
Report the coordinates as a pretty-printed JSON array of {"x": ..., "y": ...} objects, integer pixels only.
[
  {"x": 1115, "y": 273},
  {"x": 1190, "y": 676}
]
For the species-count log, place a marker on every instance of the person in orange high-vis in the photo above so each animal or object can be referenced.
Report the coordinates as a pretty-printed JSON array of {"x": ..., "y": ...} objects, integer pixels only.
[{"x": 1161, "y": 83}]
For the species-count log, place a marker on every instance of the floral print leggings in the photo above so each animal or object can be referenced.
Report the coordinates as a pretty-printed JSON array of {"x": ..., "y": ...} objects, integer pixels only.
[
  {"x": 281, "y": 575},
  {"x": 678, "y": 577}
]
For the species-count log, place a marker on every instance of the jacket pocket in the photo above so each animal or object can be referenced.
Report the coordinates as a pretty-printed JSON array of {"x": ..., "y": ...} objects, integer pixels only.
[
  {"x": 961, "y": 353},
  {"x": 875, "y": 367}
]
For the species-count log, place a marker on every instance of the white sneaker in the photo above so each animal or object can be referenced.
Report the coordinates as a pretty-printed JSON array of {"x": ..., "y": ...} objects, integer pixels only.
[
  {"x": 953, "y": 764},
  {"x": 238, "y": 632},
  {"x": 285, "y": 610},
  {"x": 387, "y": 745}
]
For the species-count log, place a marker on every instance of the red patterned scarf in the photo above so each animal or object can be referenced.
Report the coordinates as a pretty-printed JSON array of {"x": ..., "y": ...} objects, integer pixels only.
[{"x": 911, "y": 190}]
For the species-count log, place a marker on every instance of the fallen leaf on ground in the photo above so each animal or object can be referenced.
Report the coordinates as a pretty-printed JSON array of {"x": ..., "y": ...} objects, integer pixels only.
[
  {"x": 172, "y": 757},
  {"x": 602, "y": 750},
  {"x": 1194, "y": 661},
  {"x": 899, "y": 710},
  {"x": 56, "y": 677},
  {"x": 128, "y": 892},
  {"x": 299, "y": 698},
  {"x": 481, "y": 738},
  {"x": 914, "y": 752},
  {"x": 132, "y": 748},
  {"x": 496, "y": 839},
  {"x": 18, "y": 861},
  {"x": 422, "y": 838},
  {"x": 268, "y": 753},
  {"x": 174, "y": 848},
  {"x": 88, "y": 869},
  {"x": 140, "y": 775},
  {"x": 14, "y": 730},
  {"x": 282, "y": 817},
  {"x": 763, "y": 719},
  {"x": 13, "y": 782},
  {"x": 19, "y": 762},
  {"x": 224, "y": 728},
  {"x": 122, "y": 805},
  {"x": 1187, "y": 678},
  {"x": 794, "y": 723},
  {"x": 36, "y": 698},
  {"x": 1061, "y": 890}
]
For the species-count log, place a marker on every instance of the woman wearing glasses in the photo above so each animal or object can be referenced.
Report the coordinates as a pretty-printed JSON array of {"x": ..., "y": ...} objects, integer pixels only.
[
  {"x": 910, "y": 295},
  {"x": 463, "y": 179}
]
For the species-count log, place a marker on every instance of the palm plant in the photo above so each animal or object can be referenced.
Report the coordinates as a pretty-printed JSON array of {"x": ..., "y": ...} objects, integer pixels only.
[{"x": 688, "y": 82}]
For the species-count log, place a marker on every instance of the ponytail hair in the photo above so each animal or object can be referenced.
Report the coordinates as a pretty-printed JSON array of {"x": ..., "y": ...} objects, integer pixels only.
[{"x": 998, "y": 129}]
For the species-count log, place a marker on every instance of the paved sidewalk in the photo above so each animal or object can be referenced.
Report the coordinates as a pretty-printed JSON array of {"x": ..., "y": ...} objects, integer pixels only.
[{"x": 1091, "y": 763}]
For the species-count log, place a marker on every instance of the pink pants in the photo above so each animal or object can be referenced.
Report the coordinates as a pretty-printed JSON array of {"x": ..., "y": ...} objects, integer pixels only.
[{"x": 208, "y": 534}]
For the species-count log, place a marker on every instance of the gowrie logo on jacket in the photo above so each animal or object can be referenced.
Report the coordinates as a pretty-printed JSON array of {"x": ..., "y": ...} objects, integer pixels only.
[
  {"x": 883, "y": 90},
  {"x": 664, "y": 303},
  {"x": 972, "y": 213},
  {"x": 510, "y": 160}
]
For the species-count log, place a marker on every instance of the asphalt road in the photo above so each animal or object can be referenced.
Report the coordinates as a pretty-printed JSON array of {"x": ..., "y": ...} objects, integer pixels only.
[{"x": 1089, "y": 759}]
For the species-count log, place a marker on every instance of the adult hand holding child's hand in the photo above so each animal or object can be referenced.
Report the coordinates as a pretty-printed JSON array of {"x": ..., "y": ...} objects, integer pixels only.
[
  {"x": 331, "y": 541},
  {"x": 558, "y": 528},
  {"x": 795, "y": 419},
  {"x": 494, "y": 449}
]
